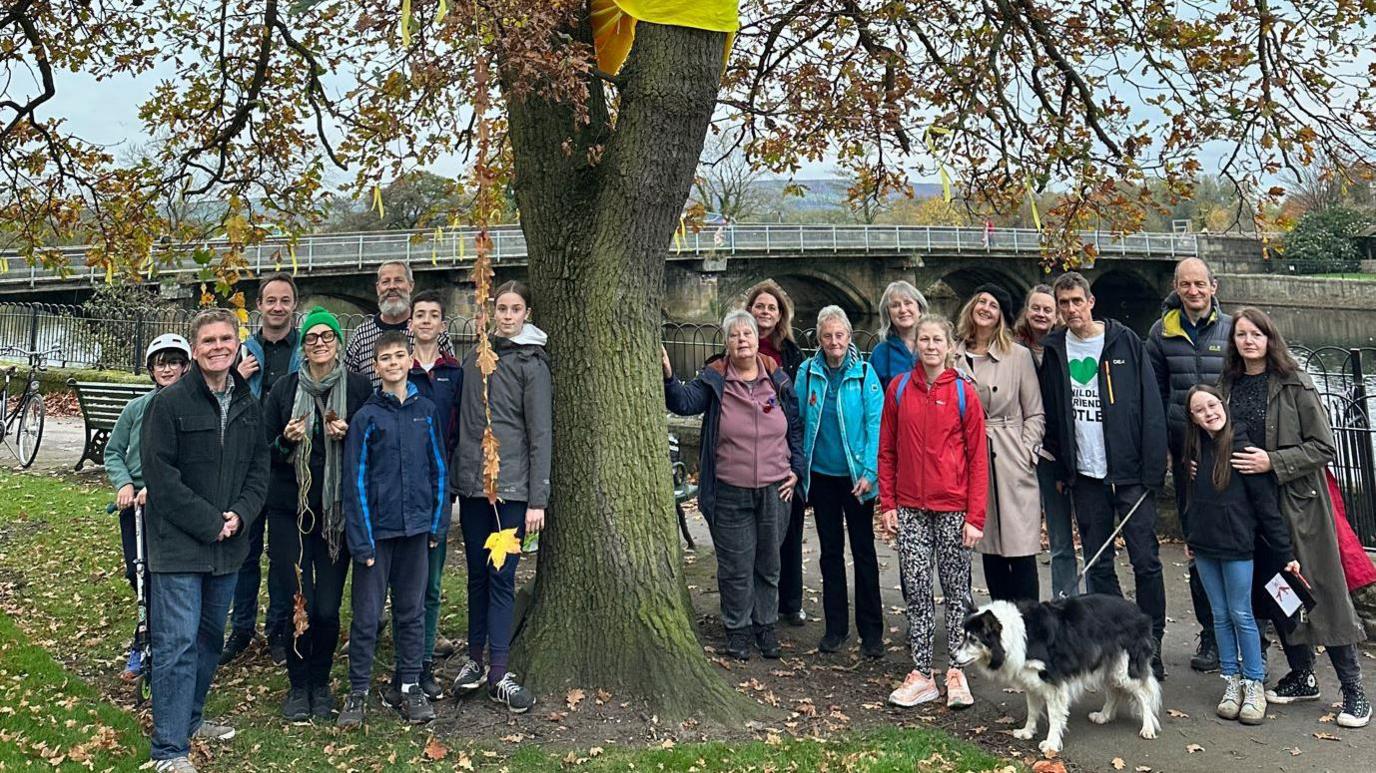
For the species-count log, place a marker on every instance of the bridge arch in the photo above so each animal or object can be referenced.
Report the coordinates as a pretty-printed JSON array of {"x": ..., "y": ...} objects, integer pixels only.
[
  {"x": 810, "y": 291},
  {"x": 947, "y": 294},
  {"x": 1127, "y": 296}
]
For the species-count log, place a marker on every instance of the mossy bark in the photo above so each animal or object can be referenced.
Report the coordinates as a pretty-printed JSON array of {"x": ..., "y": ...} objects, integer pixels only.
[{"x": 600, "y": 201}]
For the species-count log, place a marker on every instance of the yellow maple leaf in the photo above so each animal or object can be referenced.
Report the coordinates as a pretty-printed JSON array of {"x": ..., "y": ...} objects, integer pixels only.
[{"x": 500, "y": 544}]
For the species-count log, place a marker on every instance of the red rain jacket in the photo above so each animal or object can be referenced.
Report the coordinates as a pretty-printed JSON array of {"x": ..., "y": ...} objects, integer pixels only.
[{"x": 930, "y": 458}]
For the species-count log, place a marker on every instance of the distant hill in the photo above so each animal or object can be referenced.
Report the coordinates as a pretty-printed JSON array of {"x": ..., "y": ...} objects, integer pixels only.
[{"x": 820, "y": 194}]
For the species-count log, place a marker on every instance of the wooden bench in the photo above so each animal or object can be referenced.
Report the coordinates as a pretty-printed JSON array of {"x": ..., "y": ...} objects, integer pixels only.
[{"x": 101, "y": 404}]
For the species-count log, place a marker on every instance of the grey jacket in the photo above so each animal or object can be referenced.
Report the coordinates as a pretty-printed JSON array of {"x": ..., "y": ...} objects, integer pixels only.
[{"x": 520, "y": 393}]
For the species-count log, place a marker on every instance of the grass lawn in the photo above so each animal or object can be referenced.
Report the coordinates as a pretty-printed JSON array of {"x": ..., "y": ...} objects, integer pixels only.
[{"x": 66, "y": 617}]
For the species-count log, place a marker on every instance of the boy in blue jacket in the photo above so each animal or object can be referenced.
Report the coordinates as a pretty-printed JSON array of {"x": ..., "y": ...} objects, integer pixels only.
[
  {"x": 438, "y": 377},
  {"x": 396, "y": 505}
]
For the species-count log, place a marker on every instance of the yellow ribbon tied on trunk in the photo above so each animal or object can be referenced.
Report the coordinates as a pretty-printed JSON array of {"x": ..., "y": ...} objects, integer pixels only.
[{"x": 613, "y": 23}]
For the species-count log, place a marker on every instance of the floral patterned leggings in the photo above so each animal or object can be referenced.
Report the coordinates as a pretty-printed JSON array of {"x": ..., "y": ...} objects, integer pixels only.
[{"x": 927, "y": 538}]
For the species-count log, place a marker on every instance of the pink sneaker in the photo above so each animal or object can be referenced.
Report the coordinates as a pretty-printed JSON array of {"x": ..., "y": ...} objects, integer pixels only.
[
  {"x": 917, "y": 688},
  {"x": 958, "y": 690}
]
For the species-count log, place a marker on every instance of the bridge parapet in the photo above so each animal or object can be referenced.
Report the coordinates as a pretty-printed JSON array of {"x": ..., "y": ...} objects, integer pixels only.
[{"x": 455, "y": 248}]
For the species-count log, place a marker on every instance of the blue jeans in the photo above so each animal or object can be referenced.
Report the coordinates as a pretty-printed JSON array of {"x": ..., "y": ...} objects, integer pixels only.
[
  {"x": 188, "y": 629},
  {"x": 1229, "y": 587},
  {"x": 250, "y": 577},
  {"x": 491, "y": 592},
  {"x": 1059, "y": 532}
]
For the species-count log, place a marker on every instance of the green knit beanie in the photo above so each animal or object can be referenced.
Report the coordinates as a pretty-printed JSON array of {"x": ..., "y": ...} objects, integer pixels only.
[{"x": 320, "y": 316}]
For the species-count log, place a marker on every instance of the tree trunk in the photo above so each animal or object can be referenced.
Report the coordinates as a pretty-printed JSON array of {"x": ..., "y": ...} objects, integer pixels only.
[{"x": 609, "y": 607}]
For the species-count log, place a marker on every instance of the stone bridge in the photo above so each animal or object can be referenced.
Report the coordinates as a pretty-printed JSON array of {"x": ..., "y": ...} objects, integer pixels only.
[{"x": 708, "y": 270}]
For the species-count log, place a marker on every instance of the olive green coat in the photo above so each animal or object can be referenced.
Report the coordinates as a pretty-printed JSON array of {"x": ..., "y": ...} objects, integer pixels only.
[{"x": 1299, "y": 441}]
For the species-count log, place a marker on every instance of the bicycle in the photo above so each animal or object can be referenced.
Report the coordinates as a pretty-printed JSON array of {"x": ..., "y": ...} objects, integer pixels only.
[{"x": 24, "y": 422}]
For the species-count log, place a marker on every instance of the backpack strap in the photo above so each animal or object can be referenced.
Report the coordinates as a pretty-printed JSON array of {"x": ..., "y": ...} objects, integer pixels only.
[
  {"x": 960, "y": 397},
  {"x": 902, "y": 385}
]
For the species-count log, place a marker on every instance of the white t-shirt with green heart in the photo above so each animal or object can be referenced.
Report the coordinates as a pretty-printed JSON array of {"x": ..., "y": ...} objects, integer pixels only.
[{"x": 1082, "y": 360}]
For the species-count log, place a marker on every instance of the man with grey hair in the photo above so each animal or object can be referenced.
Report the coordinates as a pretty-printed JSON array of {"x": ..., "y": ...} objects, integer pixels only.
[
  {"x": 1186, "y": 346},
  {"x": 394, "y": 285}
]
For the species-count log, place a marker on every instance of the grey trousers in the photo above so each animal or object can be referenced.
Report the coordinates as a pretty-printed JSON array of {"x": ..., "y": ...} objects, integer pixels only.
[{"x": 747, "y": 530}]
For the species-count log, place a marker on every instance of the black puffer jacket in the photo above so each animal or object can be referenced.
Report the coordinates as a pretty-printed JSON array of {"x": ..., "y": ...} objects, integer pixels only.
[
  {"x": 1181, "y": 363},
  {"x": 197, "y": 471},
  {"x": 1229, "y": 525}
]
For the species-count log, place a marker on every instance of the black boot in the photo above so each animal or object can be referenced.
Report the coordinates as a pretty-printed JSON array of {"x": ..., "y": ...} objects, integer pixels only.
[
  {"x": 767, "y": 642},
  {"x": 428, "y": 685},
  {"x": 738, "y": 645},
  {"x": 235, "y": 645},
  {"x": 1205, "y": 659},
  {"x": 1158, "y": 667}
]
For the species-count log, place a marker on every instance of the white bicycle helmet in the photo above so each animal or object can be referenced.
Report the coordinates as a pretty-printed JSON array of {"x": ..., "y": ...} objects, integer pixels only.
[{"x": 167, "y": 342}]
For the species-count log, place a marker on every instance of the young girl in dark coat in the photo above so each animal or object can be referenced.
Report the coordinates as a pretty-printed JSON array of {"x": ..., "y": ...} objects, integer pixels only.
[{"x": 1230, "y": 515}]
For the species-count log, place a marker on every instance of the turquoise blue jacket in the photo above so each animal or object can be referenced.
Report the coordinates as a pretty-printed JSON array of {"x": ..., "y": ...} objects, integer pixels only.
[
  {"x": 255, "y": 347},
  {"x": 859, "y": 403}
]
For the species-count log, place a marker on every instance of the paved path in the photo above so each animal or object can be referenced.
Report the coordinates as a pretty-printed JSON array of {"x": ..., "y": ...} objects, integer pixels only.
[
  {"x": 1286, "y": 742},
  {"x": 63, "y": 439}
]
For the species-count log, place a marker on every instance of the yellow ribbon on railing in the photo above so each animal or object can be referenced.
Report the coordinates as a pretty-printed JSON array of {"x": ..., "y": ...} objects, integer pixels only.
[
  {"x": 291, "y": 252},
  {"x": 680, "y": 234},
  {"x": 4, "y": 265},
  {"x": 442, "y": 12},
  {"x": 435, "y": 247},
  {"x": 405, "y": 24},
  {"x": 377, "y": 202}
]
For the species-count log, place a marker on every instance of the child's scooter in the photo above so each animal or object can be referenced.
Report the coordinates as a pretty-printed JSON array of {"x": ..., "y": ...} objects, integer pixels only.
[{"x": 142, "y": 643}]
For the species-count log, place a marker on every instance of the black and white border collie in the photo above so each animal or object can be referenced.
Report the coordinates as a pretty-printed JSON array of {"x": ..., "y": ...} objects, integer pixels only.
[{"x": 1054, "y": 651}]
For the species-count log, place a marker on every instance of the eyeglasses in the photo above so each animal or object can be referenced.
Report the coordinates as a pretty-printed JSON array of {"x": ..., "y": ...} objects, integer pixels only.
[
  {"x": 169, "y": 364},
  {"x": 323, "y": 337}
]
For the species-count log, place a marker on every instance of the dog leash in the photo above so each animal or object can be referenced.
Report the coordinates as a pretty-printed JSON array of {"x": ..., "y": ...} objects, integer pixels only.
[{"x": 1092, "y": 561}]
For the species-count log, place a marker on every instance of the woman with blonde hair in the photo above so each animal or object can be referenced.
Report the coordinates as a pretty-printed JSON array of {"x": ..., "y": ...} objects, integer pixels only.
[
  {"x": 899, "y": 309},
  {"x": 1005, "y": 376}
]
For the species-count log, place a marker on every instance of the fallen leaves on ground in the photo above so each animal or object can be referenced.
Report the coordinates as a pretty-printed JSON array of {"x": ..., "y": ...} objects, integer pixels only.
[
  {"x": 1322, "y": 736},
  {"x": 1048, "y": 766},
  {"x": 1194, "y": 747},
  {"x": 1118, "y": 763},
  {"x": 573, "y": 698},
  {"x": 434, "y": 750},
  {"x": 1177, "y": 713}
]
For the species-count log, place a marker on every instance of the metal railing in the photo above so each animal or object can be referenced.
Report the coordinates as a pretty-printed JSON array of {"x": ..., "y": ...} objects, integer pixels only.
[
  {"x": 454, "y": 247},
  {"x": 110, "y": 342}
]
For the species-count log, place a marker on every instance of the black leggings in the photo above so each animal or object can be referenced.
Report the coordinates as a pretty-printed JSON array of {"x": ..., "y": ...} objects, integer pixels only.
[
  {"x": 310, "y": 655},
  {"x": 1012, "y": 579}
]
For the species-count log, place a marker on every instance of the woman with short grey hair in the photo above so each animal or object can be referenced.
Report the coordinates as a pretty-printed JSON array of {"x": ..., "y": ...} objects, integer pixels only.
[
  {"x": 750, "y": 459},
  {"x": 899, "y": 309},
  {"x": 840, "y": 401}
]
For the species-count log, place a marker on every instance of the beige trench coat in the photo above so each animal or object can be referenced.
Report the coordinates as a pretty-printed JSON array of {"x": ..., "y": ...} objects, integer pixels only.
[{"x": 1014, "y": 421}]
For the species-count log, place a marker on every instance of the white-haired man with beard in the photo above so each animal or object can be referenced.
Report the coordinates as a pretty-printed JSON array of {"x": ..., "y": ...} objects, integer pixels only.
[{"x": 394, "y": 286}]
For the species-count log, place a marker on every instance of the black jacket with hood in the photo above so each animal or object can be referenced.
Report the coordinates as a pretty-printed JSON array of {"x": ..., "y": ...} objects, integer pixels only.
[
  {"x": 1181, "y": 362},
  {"x": 1133, "y": 418}
]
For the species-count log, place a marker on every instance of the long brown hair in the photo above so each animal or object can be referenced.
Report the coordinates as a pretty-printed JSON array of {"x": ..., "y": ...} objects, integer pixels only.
[
  {"x": 1278, "y": 357},
  {"x": 1223, "y": 439},
  {"x": 784, "y": 330},
  {"x": 1022, "y": 330}
]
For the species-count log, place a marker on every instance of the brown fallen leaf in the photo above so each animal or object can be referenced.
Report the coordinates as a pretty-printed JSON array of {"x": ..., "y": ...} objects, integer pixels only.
[
  {"x": 1118, "y": 763},
  {"x": 1194, "y": 747},
  {"x": 556, "y": 716},
  {"x": 1048, "y": 766},
  {"x": 1177, "y": 713},
  {"x": 603, "y": 696},
  {"x": 573, "y": 698},
  {"x": 1294, "y": 751},
  {"x": 1326, "y": 718},
  {"x": 434, "y": 750},
  {"x": 1322, "y": 736}
]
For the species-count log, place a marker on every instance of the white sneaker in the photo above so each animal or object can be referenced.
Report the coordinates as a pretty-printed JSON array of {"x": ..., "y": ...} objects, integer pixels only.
[
  {"x": 213, "y": 732},
  {"x": 1253, "y": 711},
  {"x": 1231, "y": 703},
  {"x": 174, "y": 765}
]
